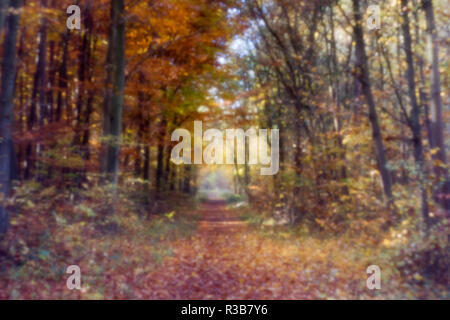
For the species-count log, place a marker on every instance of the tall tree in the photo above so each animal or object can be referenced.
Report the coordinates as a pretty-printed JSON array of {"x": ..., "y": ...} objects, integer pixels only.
[
  {"x": 62, "y": 77},
  {"x": 39, "y": 95},
  {"x": 437, "y": 125},
  {"x": 362, "y": 70},
  {"x": 7, "y": 110},
  {"x": 113, "y": 106},
  {"x": 413, "y": 121}
]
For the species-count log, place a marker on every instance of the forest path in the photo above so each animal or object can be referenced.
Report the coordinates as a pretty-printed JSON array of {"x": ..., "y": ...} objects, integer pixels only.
[{"x": 226, "y": 260}]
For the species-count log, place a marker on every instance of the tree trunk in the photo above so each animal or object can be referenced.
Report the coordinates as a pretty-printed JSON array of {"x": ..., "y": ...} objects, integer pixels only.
[
  {"x": 437, "y": 126},
  {"x": 51, "y": 81},
  {"x": 146, "y": 169},
  {"x": 39, "y": 96},
  {"x": 414, "y": 122},
  {"x": 364, "y": 79},
  {"x": 140, "y": 133},
  {"x": 423, "y": 97},
  {"x": 160, "y": 167},
  {"x": 115, "y": 90},
  {"x": 137, "y": 160},
  {"x": 91, "y": 95},
  {"x": 42, "y": 66},
  {"x": 168, "y": 171},
  {"x": 187, "y": 178},
  {"x": 7, "y": 110},
  {"x": 62, "y": 82},
  {"x": 86, "y": 96},
  {"x": 160, "y": 181}
]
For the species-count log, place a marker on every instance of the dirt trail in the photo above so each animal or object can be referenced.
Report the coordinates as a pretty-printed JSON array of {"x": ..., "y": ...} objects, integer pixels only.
[
  {"x": 225, "y": 260},
  {"x": 217, "y": 219}
]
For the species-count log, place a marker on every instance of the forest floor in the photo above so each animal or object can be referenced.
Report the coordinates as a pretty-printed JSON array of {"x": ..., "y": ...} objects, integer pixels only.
[
  {"x": 226, "y": 259},
  {"x": 206, "y": 253}
]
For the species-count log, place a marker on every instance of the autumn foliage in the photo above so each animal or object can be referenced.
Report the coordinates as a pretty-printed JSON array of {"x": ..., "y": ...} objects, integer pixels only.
[{"x": 86, "y": 176}]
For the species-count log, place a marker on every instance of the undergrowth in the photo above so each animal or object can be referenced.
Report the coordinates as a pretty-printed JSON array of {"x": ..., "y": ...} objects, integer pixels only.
[{"x": 108, "y": 239}]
